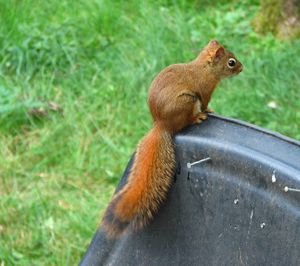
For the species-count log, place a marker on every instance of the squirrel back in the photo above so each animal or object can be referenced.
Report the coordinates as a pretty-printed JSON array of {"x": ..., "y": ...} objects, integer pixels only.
[{"x": 178, "y": 97}]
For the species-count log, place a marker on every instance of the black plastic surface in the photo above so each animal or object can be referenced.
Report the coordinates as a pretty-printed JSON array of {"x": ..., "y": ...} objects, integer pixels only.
[{"x": 231, "y": 210}]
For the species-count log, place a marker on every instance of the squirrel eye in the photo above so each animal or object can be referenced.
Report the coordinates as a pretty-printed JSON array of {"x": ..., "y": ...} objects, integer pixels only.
[{"x": 231, "y": 62}]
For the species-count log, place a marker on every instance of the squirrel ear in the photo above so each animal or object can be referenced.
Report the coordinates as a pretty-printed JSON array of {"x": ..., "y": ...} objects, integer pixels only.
[
  {"x": 220, "y": 52},
  {"x": 214, "y": 42}
]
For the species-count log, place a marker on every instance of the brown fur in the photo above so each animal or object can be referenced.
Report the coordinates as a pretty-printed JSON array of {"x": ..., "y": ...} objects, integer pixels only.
[
  {"x": 178, "y": 97},
  {"x": 147, "y": 185}
]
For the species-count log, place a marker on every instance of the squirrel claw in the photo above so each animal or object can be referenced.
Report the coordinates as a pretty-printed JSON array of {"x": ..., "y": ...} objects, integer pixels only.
[{"x": 200, "y": 117}]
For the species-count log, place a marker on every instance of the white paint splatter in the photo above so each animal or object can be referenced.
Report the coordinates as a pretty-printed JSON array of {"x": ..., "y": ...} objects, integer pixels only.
[{"x": 274, "y": 177}]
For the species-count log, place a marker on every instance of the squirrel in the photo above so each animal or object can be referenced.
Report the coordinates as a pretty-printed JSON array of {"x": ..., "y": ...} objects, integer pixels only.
[{"x": 178, "y": 97}]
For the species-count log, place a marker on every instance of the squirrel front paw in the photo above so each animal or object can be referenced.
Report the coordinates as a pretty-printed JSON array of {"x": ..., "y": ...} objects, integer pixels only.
[
  {"x": 199, "y": 118},
  {"x": 208, "y": 110}
]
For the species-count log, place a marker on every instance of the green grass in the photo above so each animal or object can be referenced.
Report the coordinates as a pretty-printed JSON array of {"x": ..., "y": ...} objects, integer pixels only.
[{"x": 96, "y": 60}]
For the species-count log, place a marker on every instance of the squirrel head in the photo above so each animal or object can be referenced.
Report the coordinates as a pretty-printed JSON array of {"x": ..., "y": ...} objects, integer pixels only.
[{"x": 219, "y": 61}]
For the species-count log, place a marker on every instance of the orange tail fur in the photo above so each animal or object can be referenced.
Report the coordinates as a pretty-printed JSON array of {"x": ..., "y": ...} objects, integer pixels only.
[{"x": 147, "y": 186}]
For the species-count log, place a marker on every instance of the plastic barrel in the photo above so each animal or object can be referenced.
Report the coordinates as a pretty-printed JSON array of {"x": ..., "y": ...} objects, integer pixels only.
[{"x": 239, "y": 207}]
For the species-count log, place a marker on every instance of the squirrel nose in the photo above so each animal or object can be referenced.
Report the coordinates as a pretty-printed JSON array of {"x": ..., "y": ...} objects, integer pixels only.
[{"x": 241, "y": 68}]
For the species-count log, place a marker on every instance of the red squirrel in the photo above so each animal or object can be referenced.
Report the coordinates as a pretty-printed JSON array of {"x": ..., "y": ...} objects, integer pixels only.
[{"x": 178, "y": 97}]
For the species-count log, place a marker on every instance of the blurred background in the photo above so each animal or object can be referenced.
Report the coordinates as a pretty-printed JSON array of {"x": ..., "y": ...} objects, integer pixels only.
[{"x": 74, "y": 77}]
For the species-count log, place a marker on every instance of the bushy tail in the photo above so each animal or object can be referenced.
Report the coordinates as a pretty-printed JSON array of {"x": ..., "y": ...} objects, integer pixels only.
[{"x": 147, "y": 186}]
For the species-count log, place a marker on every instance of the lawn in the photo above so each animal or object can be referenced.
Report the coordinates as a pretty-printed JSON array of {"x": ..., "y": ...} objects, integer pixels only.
[{"x": 94, "y": 61}]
